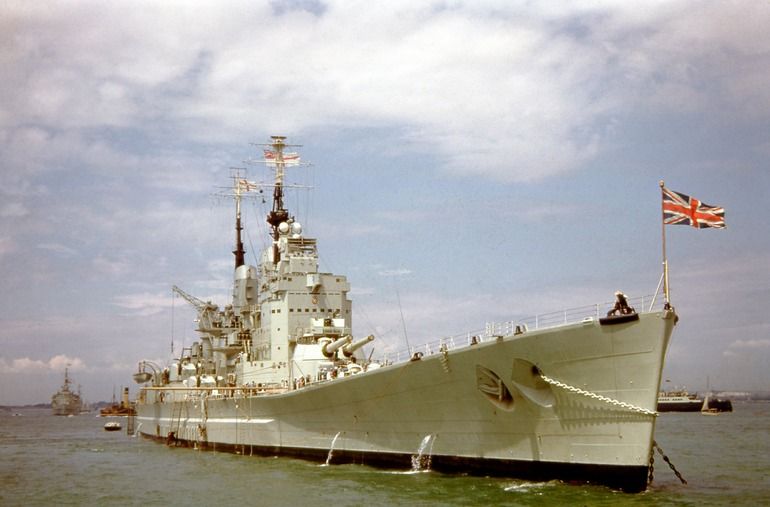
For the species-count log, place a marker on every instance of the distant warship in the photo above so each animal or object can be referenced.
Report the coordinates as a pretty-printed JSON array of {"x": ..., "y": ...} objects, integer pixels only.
[
  {"x": 66, "y": 401},
  {"x": 570, "y": 395}
]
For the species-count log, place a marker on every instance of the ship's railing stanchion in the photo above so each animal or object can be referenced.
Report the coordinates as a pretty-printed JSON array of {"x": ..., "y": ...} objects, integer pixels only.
[{"x": 513, "y": 327}]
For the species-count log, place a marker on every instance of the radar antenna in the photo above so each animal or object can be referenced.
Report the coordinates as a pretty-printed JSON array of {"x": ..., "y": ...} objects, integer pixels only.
[{"x": 276, "y": 157}]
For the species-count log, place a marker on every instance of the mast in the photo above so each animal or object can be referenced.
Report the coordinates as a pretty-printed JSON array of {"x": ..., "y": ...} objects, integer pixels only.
[
  {"x": 239, "y": 251},
  {"x": 277, "y": 158}
]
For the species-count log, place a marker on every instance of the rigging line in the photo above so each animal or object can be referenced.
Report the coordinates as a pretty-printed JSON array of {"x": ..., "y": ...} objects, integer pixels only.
[
  {"x": 327, "y": 266},
  {"x": 297, "y": 207},
  {"x": 361, "y": 310},
  {"x": 403, "y": 322},
  {"x": 251, "y": 245},
  {"x": 260, "y": 223},
  {"x": 310, "y": 178},
  {"x": 173, "y": 296},
  {"x": 324, "y": 263}
]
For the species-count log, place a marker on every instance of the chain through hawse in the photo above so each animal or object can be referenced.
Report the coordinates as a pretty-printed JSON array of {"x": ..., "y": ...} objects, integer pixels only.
[{"x": 595, "y": 396}]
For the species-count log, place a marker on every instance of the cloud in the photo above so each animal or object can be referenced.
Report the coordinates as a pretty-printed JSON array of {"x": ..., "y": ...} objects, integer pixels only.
[
  {"x": 27, "y": 365},
  {"x": 362, "y": 291},
  {"x": 750, "y": 347},
  {"x": 7, "y": 245},
  {"x": 58, "y": 248},
  {"x": 542, "y": 212},
  {"x": 395, "y": 272},
  {"x": 751, "y": 344},
  {"x": 144, "y": 304},
  {"x": 13, "y": 210},
  {"x": 508, "y": 92},
  {"x": 111, "y": 267}
]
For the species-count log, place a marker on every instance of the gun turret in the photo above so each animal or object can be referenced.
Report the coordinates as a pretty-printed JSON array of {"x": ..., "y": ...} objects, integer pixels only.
[
  {"x": 352, "y": 347},
  {"x": 329, "y": 348}
]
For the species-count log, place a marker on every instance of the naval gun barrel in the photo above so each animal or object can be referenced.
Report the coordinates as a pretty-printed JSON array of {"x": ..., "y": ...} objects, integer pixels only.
[
  {"x": 352, "y": 347},
  {"x": 328, "y": 349}
]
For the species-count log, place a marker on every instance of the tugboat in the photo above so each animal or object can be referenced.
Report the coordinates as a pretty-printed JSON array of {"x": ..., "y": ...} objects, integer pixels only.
[
  {"x": 570, "y": 395},
  {"x": 122, "y": 409},
  {"x": 66, "y": 402}
]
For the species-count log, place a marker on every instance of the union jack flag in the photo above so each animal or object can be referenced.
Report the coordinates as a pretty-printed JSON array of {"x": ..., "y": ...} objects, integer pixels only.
[
  {"x": 246, "y": 185},
  {"x": 680, "y": 209},
  {"x": 289, "y": 158}
]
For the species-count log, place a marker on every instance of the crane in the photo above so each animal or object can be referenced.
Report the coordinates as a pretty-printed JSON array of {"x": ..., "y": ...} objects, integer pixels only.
[{"x": 208, "y": 317}]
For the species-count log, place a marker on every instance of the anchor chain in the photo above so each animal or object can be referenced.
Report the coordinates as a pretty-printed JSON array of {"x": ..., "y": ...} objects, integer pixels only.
[
  {"x": 671, "y": 465},
  {"x": 589, "y": 394},
  {"x": 651, "y": 468}
]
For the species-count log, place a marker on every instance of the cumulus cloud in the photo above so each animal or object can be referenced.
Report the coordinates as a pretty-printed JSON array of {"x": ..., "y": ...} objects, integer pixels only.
[
  {"x": 58, "y": 248},
  {"x": 27, "y": 365},
  {"x": 111, "y": 267},
  {"x": 144, "y": 304},
  {"x": 508, "y": 91},
  {"x": 395, "y": 272},
  {"x": 13, "y": 210},
  {"x": 751, "y": 344},
  {"x": 749, "y": 347}
]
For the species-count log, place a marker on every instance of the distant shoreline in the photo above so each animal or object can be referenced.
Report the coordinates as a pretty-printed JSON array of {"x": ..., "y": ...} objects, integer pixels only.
[
  {"x": 91, "y": 406},
  {"x": 731, "y": 395}
]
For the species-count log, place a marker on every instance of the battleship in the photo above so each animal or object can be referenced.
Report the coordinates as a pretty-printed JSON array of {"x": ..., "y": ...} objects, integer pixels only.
[
  {"x": 66, "y": 401},
  {"x": 569, "y": 395}
]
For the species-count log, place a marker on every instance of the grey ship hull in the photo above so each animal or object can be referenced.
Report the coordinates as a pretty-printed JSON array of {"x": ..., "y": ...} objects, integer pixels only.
[
  {"x": 65, "y": 401},
  {"x": 66, "y": 407},
  {"x": 483, "y": 408}
]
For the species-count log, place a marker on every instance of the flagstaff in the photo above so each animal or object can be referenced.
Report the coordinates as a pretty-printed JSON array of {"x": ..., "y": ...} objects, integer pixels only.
[
  {"x": 680, "y": 209},
  {"x": 665, "y": 260}
]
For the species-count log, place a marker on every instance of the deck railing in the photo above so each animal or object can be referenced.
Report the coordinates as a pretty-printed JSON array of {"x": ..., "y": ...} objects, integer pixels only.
[{"x": 493, "y": 330}]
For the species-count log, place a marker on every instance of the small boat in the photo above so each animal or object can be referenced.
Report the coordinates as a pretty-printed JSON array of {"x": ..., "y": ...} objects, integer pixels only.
[
  {"x": 112, "y": 426},
  {"x": 715, "y": 406}
]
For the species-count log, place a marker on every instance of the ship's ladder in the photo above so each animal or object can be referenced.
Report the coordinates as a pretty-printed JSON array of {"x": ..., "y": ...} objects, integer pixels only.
[
  {"x": 176, "y": 420},
  {"x": 201, "y": 437}
]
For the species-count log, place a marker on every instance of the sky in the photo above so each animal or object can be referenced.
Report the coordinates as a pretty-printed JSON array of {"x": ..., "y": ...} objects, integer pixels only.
[{"x": 470, "y": 162}]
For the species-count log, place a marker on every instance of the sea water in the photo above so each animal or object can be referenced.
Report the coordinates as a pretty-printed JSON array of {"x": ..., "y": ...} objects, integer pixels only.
[{"x": 48, "y": 460}]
